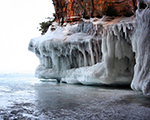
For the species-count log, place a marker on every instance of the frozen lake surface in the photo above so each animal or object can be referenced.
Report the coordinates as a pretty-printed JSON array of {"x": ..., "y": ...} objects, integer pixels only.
[{"x": 24, "y": 97}]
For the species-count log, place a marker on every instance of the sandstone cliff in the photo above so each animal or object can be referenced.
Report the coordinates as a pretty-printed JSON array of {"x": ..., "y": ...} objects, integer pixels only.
[{"x": 72, "y": 10}]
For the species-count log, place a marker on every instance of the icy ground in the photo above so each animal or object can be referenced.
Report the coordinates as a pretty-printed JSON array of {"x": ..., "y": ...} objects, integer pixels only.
[{"x": 24, "y": 97}]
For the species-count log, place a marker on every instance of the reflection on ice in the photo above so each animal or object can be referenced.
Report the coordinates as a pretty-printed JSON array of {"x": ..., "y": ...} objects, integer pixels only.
[{"x": 48, "y": 80}]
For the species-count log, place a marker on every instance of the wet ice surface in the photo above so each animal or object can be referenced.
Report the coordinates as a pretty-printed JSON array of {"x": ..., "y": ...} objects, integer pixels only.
[{"x": 25, "y": 97}]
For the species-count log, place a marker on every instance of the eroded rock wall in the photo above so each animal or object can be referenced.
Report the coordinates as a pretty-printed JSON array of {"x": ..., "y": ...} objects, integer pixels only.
[{"x": 72, "y": 10}]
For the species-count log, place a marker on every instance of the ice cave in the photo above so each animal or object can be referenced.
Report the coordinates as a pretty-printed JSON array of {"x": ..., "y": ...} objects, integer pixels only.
[{"x": 97, "y": 42}]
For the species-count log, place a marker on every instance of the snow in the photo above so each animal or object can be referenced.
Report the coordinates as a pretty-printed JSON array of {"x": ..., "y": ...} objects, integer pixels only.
[{"x": 96, "y": 51}]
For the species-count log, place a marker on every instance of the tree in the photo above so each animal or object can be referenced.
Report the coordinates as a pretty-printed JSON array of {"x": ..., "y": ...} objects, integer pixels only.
[{"x": 45, "y": 25}]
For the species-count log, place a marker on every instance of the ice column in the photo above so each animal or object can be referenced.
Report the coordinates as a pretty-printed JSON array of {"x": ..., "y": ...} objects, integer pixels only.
[{"x": 141, "y": 45}]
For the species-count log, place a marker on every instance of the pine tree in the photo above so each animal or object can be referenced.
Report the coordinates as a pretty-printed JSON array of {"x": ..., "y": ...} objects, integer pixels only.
[{"x": 45, "y": 25}]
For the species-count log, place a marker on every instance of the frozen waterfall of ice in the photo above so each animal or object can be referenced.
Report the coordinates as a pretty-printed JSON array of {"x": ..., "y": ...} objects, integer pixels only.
[
  {"x": 141, "y": 40},
  {"x": 90, "y": 52},
  {"x": 94, "y": 51}
]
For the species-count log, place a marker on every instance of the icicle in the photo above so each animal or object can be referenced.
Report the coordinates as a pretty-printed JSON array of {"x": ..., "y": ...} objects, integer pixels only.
[
  {"x": 99, "y": 50},
  {"x": 91, "y": 52},
  {"x": 114, "y": 28},
  {"x": 47, "y": 64},
  {"x": 85, "y": 58},
  {"x": 118, "y": 50},
  {"x": 125, "y": 30}
]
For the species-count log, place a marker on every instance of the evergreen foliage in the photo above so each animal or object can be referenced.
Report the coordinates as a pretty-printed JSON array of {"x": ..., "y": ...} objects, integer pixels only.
[{"x": 44, "y": 25}]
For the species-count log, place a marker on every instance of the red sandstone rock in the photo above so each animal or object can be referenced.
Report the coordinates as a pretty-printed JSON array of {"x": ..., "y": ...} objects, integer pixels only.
[{"x": 73, "y": 10}]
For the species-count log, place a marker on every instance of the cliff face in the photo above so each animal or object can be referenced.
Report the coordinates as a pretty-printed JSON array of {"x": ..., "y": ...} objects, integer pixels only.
[{"x": 72, "y": 10}]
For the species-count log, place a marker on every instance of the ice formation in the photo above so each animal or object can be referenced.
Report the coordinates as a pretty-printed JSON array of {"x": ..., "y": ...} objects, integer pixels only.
[
  {"x": 141, "y": 46},
  {"x": 97, "y": 51},
  {"x": 91, "y": 52}
]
